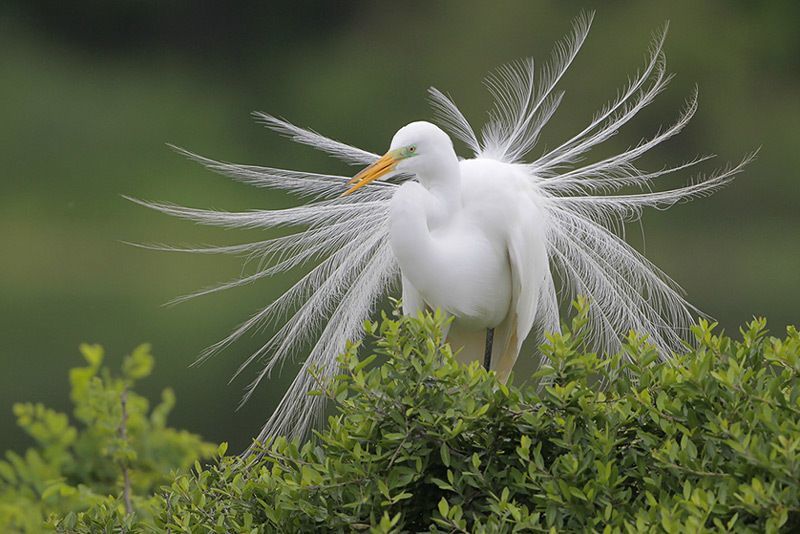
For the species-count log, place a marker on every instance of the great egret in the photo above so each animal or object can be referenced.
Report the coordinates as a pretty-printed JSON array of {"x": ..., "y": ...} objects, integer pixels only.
[
  {"x": 486, "y": 257},
  {"x": 469, "y": 238}
]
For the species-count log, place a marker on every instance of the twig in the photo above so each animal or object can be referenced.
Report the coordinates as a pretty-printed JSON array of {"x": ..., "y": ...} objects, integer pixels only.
[
  {"x": 123, "y": 434},
  {"x": 168, "y": 498}
]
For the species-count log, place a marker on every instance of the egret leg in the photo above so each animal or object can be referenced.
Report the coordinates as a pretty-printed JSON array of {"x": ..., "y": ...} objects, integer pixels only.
[{"x": 487, "y": 355}]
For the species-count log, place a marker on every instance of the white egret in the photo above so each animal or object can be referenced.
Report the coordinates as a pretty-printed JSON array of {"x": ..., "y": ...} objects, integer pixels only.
[
  {"x": 469, "y": 239},
  {"x": 479, "y": 237}
]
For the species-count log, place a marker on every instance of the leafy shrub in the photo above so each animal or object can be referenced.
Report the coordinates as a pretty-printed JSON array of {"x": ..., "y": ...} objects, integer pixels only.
[
  {"x": 709, "y": 441},
  {"x": 114, "y": 460}
]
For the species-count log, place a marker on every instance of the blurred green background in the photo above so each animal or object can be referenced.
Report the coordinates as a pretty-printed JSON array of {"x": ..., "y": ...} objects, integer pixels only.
[{"x": 92, "y": 90}]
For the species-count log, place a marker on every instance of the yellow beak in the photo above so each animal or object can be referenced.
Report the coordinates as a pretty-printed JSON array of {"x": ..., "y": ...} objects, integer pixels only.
[{"x": 380, "y": 168}]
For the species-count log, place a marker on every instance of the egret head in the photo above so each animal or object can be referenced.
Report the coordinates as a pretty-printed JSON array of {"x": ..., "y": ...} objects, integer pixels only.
[{"x": 418, "y": 148}]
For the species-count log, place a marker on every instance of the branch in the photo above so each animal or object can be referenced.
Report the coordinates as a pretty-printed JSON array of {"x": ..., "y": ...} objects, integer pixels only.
[{"x": 123, "y": 434}]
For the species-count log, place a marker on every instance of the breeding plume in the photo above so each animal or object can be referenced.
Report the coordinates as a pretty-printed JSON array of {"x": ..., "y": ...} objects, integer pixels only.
[{"x": 481, "y": 238}]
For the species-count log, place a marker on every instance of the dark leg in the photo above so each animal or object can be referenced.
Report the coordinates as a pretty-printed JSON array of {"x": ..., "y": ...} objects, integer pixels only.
[{"x": 487, "y": 355}]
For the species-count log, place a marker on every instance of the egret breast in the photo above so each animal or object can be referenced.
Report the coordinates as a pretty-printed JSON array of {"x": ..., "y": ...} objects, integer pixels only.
[
  {"x": 461, "y": 262},
  {"x": 475, "y": 284}
]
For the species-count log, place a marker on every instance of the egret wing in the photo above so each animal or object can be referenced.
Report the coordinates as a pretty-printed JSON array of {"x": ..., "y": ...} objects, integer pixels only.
[{"x": 527, "y": 258}]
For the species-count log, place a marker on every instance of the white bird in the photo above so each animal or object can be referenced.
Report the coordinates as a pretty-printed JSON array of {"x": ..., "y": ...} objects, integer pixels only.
[
  {"x": 480, "y": 238},
  {"x": 468, "y": 237}
]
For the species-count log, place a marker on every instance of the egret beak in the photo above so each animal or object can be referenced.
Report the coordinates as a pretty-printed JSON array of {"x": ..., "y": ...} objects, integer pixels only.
[{"x": 380, "y": 168}]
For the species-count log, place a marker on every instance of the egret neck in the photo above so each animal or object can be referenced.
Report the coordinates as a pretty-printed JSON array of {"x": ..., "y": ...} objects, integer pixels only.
[
  {"x": 441, "y": 177},
  {"x": 419, "y": 208}
]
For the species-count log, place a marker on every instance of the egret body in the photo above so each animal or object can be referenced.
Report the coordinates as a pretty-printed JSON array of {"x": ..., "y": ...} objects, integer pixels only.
[{"x": 456, "y": 233}]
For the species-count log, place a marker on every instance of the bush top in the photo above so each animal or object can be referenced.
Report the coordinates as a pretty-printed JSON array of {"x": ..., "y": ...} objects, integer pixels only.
[{"x": 709, "y": 440}]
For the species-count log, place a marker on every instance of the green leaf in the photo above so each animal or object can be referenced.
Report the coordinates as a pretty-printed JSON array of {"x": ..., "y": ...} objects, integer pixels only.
[
  {"x": 444, "y": 508},
  {"x": 139, "y": 363},
  {"x": 93, "y": 354},
  {"x": 444, "y": 452}
]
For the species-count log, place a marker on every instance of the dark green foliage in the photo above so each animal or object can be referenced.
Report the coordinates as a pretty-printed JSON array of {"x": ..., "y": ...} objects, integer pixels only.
[
  {"x": 708, "y": 441},
  {"x": 75, "y": 467}
]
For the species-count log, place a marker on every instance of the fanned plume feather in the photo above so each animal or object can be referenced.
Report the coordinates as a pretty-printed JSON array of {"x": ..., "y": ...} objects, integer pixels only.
[
  {"x": 523, "y": 101},
  {"x": 346, "y": 239}
]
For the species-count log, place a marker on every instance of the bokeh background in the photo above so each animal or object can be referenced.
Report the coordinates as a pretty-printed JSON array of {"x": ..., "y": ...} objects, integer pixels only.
[{"x": 90, "y": 92}]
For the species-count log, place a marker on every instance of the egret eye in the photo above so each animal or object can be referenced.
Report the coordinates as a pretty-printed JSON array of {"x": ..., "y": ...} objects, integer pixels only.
[{"x": 412, "y": 149}]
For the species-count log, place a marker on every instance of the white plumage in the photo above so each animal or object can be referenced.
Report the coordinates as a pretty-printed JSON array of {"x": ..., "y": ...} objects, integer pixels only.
[
  {"x": 469, "y": 239},
  {"x": 479, "y": 237}
]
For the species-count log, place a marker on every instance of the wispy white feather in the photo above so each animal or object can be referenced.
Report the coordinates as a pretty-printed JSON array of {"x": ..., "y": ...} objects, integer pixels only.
[
  {"x": 607, "y": 122},
  {"x": 453, "y": 120},
  {"x": 345, "y": 152},
  {"x": 346, "y": 239},
  {"x": 523, "y": 104}
]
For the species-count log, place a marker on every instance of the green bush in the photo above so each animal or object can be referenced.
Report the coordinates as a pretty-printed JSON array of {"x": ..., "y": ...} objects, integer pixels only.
[
  {"x": 708, "y": 441},
  {"x": 711, "y": 440},
  {"x": 114, "y": 460}
]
